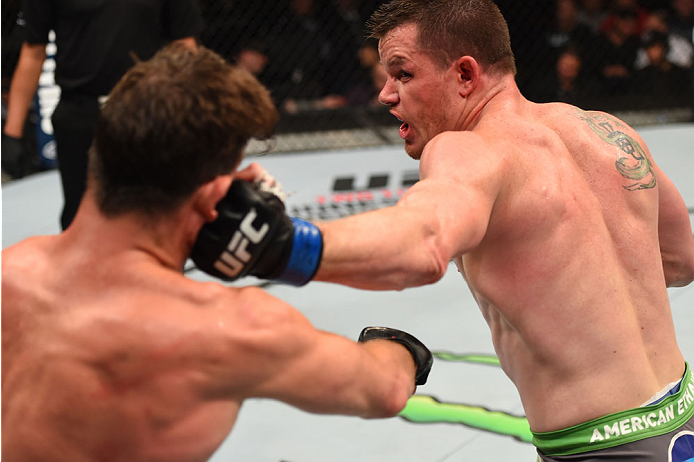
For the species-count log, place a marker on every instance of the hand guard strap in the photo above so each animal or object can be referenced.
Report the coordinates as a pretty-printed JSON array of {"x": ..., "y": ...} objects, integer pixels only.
[
  {"x": 420, "y": 353},
  {"x": 307, "y": 250}
]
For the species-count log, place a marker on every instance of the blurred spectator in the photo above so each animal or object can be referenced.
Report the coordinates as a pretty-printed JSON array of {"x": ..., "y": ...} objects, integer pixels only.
[
  {"x": 568, "y": 30},
  {"x": 680, "y": 50},
  {"x": 616, "y": 53},
  {"x": 367, "y": 93},
  {"x": 564, "y": 31},
  {"x": 308, "y": 40},
  {"x": 96, "y": 40},
  {"x": 231, "y": 25},
  {"x": 528, "y": 38},
  {"x": 682, "y": 18},
  {"x": 355, "y": 13},
  {"x": 363, "y": 89},
  {"x": 592, "y": 13},
  {"x": 252, "y": 57},
  {"x": 569, "y": 83},
  {"x": 662, "y": 83},
  {"x": 618, "y": 7}
]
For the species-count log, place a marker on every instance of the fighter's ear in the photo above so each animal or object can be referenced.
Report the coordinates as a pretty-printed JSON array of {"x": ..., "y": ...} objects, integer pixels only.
[
  {"x": 208, "y": 195},
  {"x": 468, "y": 72}
]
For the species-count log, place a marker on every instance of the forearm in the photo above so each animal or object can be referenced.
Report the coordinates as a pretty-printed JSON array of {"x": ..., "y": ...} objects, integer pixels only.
[
  {"x": 23, "y": 87},
  {"x": 370, "y": 380},
  {"x": 383, "y": 250}
]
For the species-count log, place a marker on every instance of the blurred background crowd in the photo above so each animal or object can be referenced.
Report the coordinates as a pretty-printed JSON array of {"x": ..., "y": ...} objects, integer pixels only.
[{"x": 613, "y": 55}]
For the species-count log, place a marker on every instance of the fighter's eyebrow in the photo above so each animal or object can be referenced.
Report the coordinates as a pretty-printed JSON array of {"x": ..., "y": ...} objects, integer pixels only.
[{"x": 395, "y": 61}]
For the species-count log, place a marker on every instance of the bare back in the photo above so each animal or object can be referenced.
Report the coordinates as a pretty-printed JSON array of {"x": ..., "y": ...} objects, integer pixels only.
[
  {"x": 569, "y": 274},
  {"x": 117, "y": 360},
  {"x": 110, "y": 354}
]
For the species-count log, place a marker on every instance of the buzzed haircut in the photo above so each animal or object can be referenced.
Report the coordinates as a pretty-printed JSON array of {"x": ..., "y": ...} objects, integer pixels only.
[
  {"x": 172, "y": 124},
  {"x": 449, "y": 29}
]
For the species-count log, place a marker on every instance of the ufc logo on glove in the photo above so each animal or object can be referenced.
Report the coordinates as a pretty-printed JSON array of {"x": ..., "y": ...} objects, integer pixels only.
[
  {"x": 236, "y": 255},
  {"x": 281, "y": 248}
]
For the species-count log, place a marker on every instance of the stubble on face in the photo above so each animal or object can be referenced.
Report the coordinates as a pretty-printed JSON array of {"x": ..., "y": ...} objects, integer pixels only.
[{"x": 422, "y": 101}]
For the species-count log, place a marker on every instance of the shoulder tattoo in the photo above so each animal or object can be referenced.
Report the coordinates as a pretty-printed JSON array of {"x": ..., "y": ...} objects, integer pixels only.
[{"x": 634, "y": 165}]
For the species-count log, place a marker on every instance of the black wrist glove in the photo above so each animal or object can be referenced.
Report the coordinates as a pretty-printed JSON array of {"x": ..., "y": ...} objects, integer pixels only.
[
  {"x": 253, "y": 236},
  {"x": 420, "y": 353},
  {"x": 13, "y": 153}
]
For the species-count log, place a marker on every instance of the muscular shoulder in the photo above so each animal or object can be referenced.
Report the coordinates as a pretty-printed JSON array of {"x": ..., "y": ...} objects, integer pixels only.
[
  {"x": 245, "y": 336},
  {"x": 257, "y": 309},
  {"x": 571, "y": 122},
  {"x": 25, "y": 257},
  {"x": 469, "y": 152},
  {"x": 244, "y": 315}
]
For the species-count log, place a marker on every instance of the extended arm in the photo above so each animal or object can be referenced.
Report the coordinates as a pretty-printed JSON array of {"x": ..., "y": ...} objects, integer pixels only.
[
  {"x": 272, "y": 351},
  {"x": 23, "y": 87},
  {"x": 442, "y": 216}
]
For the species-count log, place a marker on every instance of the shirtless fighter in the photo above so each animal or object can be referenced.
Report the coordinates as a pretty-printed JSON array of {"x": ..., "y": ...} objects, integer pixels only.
[
  {"x": 561, "y": 223},
  {"x": 109, "y": 353}
]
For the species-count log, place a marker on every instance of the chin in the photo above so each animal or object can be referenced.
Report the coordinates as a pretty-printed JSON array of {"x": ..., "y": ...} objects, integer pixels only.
[{"x": 413, "y": 150}]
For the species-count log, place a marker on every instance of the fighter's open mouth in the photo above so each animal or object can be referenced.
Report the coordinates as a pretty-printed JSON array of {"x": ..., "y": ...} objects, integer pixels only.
[{"x": 404, "y": 130}]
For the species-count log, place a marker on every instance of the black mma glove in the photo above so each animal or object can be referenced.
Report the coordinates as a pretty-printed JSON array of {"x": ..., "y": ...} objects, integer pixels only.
[
  {"x": 13, "y": 153},
  {"x": 420, "y": 353},
  {"x": 253, "y": 236}
]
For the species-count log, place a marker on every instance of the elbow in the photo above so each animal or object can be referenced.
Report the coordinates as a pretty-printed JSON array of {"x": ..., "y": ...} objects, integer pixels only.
[
  {"x": 396, "y": 399},
  {"x": 689, "y": 275},
  {"x": 437, "y": 259},
  {"x": 679, "y": 273},
  {"x": 429, "y": 264}
]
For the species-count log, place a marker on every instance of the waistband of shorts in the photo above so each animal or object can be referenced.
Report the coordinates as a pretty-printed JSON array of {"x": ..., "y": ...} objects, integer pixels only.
[{"x": 622, "y": 427}]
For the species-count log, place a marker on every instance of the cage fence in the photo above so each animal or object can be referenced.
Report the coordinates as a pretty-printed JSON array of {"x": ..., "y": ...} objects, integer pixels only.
[{"x": 629, "y": 57}]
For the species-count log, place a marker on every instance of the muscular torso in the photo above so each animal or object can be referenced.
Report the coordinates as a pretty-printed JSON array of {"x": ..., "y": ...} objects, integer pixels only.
[
  {"x": 118, "y": 360},
  {"x": 569, "y": 275}
]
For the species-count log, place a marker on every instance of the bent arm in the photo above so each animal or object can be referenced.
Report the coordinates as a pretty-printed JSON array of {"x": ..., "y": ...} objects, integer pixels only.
[
  {"x": 442, "y": 216},
  {"x": 674, "y": 233},
  {"x": 23, "y": 87}
]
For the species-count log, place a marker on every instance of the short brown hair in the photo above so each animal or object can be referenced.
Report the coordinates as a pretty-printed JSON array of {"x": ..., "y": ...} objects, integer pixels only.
[
  {"x": 170, "y": 125},
  {"x": 449, "y": 29}
]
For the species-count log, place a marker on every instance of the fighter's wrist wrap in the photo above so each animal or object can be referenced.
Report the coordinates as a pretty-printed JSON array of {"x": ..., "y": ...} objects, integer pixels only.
[
  {"x": 423, "y": 358},
  {"x": 253, "y": 236}
]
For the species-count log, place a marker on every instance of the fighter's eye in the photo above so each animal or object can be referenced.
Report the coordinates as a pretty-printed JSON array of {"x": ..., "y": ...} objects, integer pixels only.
[{"x": 402, "y": 75}]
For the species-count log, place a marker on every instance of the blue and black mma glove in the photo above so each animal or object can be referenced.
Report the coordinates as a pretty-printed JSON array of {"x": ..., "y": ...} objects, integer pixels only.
[
  {"x": 423, "y": 358},
  {"x": 253, "y": 236}
]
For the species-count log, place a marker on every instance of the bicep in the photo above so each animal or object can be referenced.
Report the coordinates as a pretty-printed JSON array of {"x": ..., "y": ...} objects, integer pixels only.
[
  {"x": 461, "y": 212},
  {"x": 459, "y": 187}
]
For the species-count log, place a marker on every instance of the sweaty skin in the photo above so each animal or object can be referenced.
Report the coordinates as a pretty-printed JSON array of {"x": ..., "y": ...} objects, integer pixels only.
[
  {"x": 110, "y": 354},
  {"x": 562, "y": 225}
]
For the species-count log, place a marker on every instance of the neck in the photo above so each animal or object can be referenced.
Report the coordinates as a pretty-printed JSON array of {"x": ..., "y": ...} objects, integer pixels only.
[
  {"x": 167, "y": 240},
  {"x": 493, "y": 93}
]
